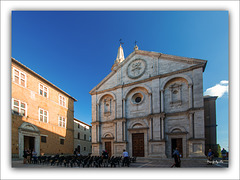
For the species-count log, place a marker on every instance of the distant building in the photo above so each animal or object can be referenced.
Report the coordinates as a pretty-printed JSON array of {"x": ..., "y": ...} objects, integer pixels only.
[
  {"x": 82, "y": 137},
  {"x": 42, "y": 114},
  {"x": 210, "y": 123},
  {"x": 149, "y": 104}
]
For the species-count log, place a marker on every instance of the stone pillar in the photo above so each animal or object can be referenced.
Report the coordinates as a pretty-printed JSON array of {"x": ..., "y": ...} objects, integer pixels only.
[
  {"x": 162, "y": 127},
  {"x": 191, "y": 125},
  {"x": 97, "y": 137},
  {"x": 123, "y": 131},
  {"x": 193, "y": 128},
  {"x": 123, "y": 108},
  {"x": 115, "y": 131},
  {"x": 151, "y": 128},
  {"x": 20, "y": 144},
  {"x": 150, "y": 103},
  {"x": 162, "y": 102},
  {"x": 37, "y": 144},
  {"x": 97, "y": 111},
  {"x": 115, "y": 103},
  {"x": 99, "y": 132},
  {"x": 190, "y": 95}
]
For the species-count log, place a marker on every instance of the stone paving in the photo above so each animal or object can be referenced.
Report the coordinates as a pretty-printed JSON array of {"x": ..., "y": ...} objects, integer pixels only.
[{"x": 142, "y": 163}]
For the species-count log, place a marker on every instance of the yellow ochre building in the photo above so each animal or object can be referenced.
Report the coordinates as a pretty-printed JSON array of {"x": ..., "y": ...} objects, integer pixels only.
[{"x": 42, "y": 114}]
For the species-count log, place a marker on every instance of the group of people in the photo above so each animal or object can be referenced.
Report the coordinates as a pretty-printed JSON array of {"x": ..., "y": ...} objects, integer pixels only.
[
  {"x": 211, "y": 155},
  {"x": 29, "y": 156},
  {"x": 105, "y": 158}
]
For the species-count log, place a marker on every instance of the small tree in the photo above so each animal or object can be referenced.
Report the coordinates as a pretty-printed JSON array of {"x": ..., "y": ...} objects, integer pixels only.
[{"x": 219, "y": 151}]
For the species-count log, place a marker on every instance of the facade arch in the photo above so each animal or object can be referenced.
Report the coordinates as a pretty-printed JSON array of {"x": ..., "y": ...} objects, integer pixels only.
[
  {"x": 138, "y": 123},
  {"x": 136, "y": 86},
  {"x": 104, "y": 94},
  {"x": 187, "y": 78},
  {"x": 108, "y": 135},
  {"x": 181, "y": 128},
  {"x": 28, "y": 127}
]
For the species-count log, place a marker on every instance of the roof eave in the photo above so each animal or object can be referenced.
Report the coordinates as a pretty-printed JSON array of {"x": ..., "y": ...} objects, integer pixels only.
[{"x": 17, "y": 62}]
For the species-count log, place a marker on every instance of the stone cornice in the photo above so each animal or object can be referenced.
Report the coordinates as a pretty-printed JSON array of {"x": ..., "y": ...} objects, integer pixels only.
[
  {"x": 93, "y": 91},
  {"x": 40, "y": 77},
  {"x": 161, "y": 115},
  {"x": 141, "y": 128},
  {"x": 152, "y": 140},
  {"x": 96, "y": 143},
  {"x": 189, "y": 111},
  {"x": 96, "y": 123},
  {"x": 196, "y": 139},
  {"x": 176, "y": 133},
  {"x": 106, "y": 138},
  {"x": 120, "y": 142}
]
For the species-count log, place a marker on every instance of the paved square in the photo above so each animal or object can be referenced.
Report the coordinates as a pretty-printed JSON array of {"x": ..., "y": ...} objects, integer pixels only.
[{"x": 141, "y": 163}]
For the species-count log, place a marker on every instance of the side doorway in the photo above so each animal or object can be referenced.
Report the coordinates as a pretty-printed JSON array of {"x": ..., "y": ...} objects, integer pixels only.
[
  {"x": 177, "y": 142},
  {"x": 138, "y": 144},
  {"x": 108, "y": 148}
]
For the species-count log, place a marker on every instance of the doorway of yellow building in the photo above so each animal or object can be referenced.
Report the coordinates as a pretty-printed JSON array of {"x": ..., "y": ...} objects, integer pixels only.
[{"x": 29, "y": 142}]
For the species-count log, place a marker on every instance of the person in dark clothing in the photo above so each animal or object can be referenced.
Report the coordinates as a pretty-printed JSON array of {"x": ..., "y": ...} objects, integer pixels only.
[
  {"x": 25, "y": 156},
  {"x": 177, "y": 160},
  {"x": 210, "y": 156},
  {"x": 105, "y": 158},
  {"x": 29, "y": 156}
]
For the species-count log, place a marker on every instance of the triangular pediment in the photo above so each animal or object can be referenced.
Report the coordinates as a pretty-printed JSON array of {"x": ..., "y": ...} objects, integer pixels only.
[{"x": 142, "y": 65}]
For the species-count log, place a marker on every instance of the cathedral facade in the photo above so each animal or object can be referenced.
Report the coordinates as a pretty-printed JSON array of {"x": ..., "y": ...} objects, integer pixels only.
[{"x": 150, "y": 104}]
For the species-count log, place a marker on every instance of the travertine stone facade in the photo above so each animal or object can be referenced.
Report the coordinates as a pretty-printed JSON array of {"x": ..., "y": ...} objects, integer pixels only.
[
  {"x": 82, "y": 137},
  {"x": 149, "y": 104},
  {"x": 42, "y": 114}
]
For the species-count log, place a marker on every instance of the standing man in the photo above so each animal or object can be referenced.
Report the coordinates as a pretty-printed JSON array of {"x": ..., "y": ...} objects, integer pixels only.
[
  {"x": 105, "y": 157},
  {"x": 177, "y": 160},
  {"x": 224, "y": 154},
  {"x": 125, "y": 158}
]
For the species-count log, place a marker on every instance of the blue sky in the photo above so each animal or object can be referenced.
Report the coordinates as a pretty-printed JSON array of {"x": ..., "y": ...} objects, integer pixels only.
[{"x": 75, "y": 50}]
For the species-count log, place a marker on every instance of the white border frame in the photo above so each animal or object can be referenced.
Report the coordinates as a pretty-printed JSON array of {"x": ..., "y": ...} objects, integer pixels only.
[{"x": 9, "y": 173}]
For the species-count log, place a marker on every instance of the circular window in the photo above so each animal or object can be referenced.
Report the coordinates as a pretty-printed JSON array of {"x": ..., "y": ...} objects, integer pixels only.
[{"x": 137, "y": 98}]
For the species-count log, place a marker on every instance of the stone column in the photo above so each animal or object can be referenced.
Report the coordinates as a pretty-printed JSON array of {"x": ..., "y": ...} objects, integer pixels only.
[
  {"x": 193, "y": 129},
  {"x": 191, "y": 125},
  {"x": 97, "y": 111},
  {"x": 97, "y": 137},
  {"x": 150, "y": 103},
  {"x": 115, "y": 103},
  {"x": 123, "y": 108},
  {"x": 162, "y": 127},
  {"x": 123, "y": 130},
  {"x": 190, "y": 95},
  {"x": 115, "y": 131},
  {"x": 151, "y": 128},
  {"x": 37, "y": 144},
  {"x": 20, "y": 144},
  {"x": 99, "y": 132},
  {"x": 162, "y": 102}
]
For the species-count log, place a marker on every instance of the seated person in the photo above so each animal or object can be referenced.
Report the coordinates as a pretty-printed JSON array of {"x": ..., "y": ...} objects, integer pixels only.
[{"x": 210, "y": 156}]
